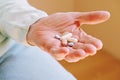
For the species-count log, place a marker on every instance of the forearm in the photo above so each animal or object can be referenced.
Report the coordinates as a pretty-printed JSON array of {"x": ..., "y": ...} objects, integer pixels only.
[{"x": 16, "y": 18}]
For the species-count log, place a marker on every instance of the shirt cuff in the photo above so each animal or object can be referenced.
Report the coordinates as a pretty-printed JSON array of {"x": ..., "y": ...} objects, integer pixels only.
[
  {"x": 33, "y": 18},
  {"x": 16, "y": 18}
]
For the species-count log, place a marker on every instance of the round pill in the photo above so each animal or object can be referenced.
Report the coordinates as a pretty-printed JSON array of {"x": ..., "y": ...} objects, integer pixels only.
[
  {"x": 57, "y": 36},
  {"x": 70, "y": 44}
]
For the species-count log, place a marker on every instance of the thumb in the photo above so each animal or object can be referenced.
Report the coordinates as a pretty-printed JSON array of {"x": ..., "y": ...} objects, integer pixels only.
[{"x": 93, "y": 17}]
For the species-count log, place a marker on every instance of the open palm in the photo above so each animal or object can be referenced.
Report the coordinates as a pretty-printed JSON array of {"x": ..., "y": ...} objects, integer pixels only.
[{"x": 42, "y": 34}]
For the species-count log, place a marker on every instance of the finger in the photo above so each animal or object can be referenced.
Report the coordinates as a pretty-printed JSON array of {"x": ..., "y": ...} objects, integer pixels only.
[
  {"x": 59, "y": 53},
  {"x": 50, "y": 42},
  {"x": 88, "y": 48},
  {"x": 92, "y": 40},
  {"x": 75, "y": 55},
  {"x": 53, "y": 46},
  {"x": 93, "y": 17}
]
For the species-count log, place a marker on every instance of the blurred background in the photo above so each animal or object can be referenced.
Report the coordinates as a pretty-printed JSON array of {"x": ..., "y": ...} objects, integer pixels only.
[{"x": 105, "y": 65}]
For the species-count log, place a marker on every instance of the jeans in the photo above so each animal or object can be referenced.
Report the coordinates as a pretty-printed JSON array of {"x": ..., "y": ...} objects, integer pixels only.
[{"x": 31, "y": 63}]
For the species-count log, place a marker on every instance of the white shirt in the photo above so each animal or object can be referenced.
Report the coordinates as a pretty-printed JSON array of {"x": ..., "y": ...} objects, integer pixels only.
[{"x": 16, "y": 16}]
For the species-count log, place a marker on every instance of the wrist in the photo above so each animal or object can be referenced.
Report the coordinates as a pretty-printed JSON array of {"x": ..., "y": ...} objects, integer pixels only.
[
  {"x": 33, "y": 32},
  {"x": 29, "y": 38}
]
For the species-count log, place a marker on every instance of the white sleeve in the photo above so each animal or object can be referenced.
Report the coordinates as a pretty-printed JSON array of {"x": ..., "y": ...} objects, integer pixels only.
[{"x": 16, "y": 16}]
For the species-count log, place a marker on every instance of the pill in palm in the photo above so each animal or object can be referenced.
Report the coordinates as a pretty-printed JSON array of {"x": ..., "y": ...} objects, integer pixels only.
[
  {"x": 66, "y": 36},
  {"x": 72, "y": 40},
  {"x": 57, "y": 36},
  {"x": 64, "y": 41},
  {"x": 67, "y": 39},
  {"x": 70, "y": 44}
]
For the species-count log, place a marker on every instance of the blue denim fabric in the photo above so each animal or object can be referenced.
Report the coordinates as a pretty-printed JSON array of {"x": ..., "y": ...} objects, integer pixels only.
[{"x": 31, "y": 63}]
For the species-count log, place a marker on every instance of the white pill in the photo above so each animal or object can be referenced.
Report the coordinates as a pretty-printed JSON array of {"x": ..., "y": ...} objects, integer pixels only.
[
  {"x": 70, "y": 44},
  {"x": 57, "y": 36},
  {"x": 66, "y": 36},
  {"x": 72, "y": 40},
  {"x": 64, "y": 41}
]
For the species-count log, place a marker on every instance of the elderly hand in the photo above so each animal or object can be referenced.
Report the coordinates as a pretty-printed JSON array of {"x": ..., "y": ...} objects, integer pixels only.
[{"x": 42, "y": 34}]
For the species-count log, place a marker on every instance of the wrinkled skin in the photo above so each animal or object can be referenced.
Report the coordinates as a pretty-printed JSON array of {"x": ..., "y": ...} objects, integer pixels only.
[{"x": 42, "y": 34}]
